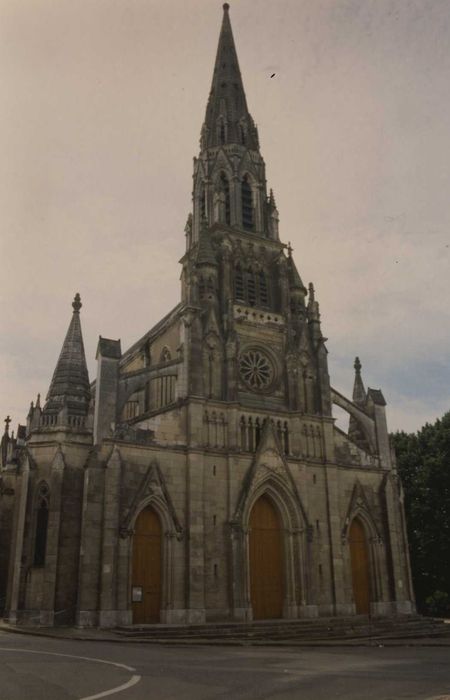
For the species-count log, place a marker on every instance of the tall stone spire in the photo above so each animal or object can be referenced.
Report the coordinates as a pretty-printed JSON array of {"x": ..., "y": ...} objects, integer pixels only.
[
  {"x": 227, "y": 117},
  {"x": 69, "y": 389},
  {"x": 230, "y": 188}
]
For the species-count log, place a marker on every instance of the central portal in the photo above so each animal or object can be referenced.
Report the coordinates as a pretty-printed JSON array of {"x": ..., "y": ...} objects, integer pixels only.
[
  {"x": 146, "y": 578},
  {"x": 266, "y": 561}
]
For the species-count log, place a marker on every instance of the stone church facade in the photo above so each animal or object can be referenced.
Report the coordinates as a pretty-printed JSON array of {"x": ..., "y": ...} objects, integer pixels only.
[{"x": 201, "y": 476}]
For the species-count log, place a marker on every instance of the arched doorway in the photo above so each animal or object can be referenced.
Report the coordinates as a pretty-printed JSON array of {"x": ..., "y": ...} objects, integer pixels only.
[
  {"x": 266, "y": 561},
  {"x": 146, "y": 571},
  {"x": 359, "y": 556}
]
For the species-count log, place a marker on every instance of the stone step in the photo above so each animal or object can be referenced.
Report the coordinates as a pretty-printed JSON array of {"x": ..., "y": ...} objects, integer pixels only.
[
  {"x": 214, "y": 630},
  {"x": 270, "y": 624},
  {"x": 399, "y": 627}
]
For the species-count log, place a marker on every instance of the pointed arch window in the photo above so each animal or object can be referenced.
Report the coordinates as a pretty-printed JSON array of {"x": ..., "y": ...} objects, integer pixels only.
[
  {"x": 203, "y": 202},
  {"x": 40, "y": 539},
  {"x": 247, "y": 204},
  {"x": 239, "y": 284},
  {"x": 263, "y": 289},
  {"x": 225, "y": 187},
  {"x": 165, "y": 355},
  {"x": 251, "y": 287}
]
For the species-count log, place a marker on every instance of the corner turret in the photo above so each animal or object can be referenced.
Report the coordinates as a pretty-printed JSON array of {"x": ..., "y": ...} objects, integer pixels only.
[{"x": 69, "y": 394}]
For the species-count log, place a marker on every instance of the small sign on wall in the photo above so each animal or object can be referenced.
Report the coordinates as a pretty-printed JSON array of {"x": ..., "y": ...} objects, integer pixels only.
[{"x": 136, "y": 594}]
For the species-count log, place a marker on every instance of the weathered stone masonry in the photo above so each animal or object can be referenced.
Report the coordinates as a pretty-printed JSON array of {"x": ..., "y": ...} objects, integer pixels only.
[{"x": 221, "y": 411}]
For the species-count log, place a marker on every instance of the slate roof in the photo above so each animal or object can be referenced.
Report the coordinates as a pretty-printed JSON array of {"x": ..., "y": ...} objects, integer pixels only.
[{"x": 70, "y": 381}]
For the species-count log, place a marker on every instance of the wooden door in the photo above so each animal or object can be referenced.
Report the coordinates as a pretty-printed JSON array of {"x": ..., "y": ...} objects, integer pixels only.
[
  {"x": 266, "y": 561},
  {"x": 360, "y": 567},
  {"x": 146, "y": 576}
]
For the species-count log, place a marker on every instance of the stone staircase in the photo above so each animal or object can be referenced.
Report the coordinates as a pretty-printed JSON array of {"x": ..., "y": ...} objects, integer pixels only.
[{"x": 357, "y": 628}]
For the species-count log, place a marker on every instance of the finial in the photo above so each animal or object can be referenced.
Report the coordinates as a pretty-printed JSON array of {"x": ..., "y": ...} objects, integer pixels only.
[
  {"x": 38, "y": 401},
  {"x": 289, "y": 247},
  {"x": 226, "y": 7},
  {"x": 7, "y": 422},
  {"x": 311, "y": 291},
  {"x": 357, "y": 365},
  {"x": 77, "y": 303}
]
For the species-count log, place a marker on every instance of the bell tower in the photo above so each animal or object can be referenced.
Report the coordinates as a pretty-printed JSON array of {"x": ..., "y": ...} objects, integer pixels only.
[
  {"x": 229, "y": 173},
  {"x": 253, "y": 337}
]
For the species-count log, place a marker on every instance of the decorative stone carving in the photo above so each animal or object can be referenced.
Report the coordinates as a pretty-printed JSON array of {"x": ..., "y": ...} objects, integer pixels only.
[{"x": 152, "y": 484}]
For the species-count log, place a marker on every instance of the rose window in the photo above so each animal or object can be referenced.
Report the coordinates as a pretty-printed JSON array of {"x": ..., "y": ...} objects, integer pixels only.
[{"x": 256, "y": 370}]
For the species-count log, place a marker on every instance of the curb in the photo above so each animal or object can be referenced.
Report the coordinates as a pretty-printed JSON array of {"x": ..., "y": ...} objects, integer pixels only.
[{"x": 185, "y": 642}]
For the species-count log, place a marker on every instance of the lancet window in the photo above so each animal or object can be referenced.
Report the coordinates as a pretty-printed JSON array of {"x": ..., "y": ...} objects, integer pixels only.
[
  {"x": 283, "y": 435},
  {"x": 225, "y": 187},
  {"x": 203, "y": 202},
  {"x": 165, "y": 355},
  {"x": 162, "y": 391},
  {"x": 214, "y": 429},
  {"x": 250, "y": 431},
  {"x": 130, "y": 410},
  {"x": 247, "y": 205}
]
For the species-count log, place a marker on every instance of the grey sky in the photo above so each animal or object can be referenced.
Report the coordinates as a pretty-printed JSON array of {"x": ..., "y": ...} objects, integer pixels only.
[{"x": 104, "y": 104}]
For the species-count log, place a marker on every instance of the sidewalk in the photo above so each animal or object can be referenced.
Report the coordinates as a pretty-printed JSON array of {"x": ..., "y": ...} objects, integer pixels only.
[{"x": 100, "y": 635}]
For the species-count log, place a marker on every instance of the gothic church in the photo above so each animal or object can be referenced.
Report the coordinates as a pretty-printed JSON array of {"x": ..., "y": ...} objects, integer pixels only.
[{"x": 201, "y": 476}]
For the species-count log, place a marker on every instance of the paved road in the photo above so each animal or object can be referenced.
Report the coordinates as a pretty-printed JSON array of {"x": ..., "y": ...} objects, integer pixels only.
[{"x": 36, "y": 668}]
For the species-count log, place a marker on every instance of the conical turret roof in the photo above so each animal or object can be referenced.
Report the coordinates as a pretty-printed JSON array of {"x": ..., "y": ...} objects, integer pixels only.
[
  {"x": 70, "y": 382},
  {"x": 227, "y": 117}
]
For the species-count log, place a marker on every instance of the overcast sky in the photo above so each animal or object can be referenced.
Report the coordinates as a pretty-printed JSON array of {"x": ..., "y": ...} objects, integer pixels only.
[{"x": 103, "y": 102}]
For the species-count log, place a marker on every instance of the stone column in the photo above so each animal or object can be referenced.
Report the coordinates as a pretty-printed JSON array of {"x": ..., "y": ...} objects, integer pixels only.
[
  {"x": 12, "y": 598},
  {"x": 111, "y": 500},
  {"x": 337, "y": 589},
  {"x": 399, "y": 571},
  {"x": 90, "y": 548},
  {"x": 47, "y": 613},
  {"x": 195, "y": 569}
]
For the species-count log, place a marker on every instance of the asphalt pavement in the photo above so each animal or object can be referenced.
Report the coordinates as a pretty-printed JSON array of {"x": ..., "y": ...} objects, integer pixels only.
[{"x": 39, "y": 668}]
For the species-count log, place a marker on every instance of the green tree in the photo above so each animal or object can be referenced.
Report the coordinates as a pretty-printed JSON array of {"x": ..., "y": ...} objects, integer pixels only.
[{"x": 423, "y": 460}]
